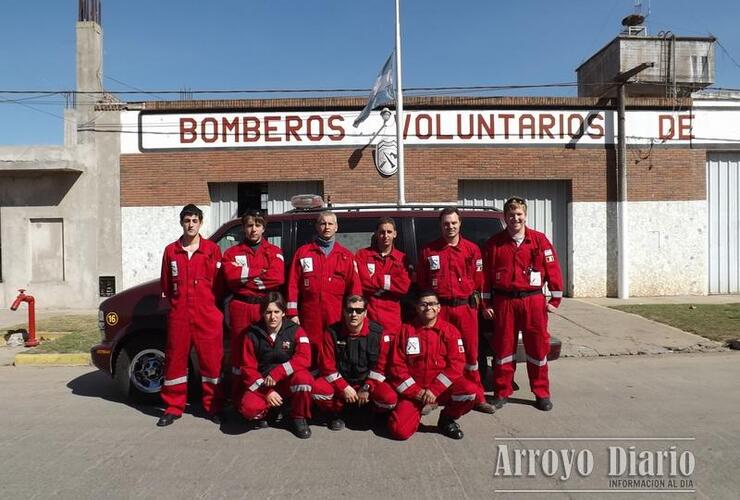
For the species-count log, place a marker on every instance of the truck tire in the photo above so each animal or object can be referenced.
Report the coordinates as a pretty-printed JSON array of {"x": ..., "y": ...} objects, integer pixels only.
[{"x": 140, "y": 368}]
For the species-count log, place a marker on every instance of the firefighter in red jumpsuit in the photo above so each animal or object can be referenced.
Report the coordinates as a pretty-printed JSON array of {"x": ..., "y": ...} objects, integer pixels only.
[
  {"x": 190, "y": 282},
  {"x": 518, "y": 263},
  {"x": 452, "y": 266},
  {"x": 275, "y": 359},
  {"x": 322, "y": 273},
  {"x": 353, "y": 359},
  {"x": 427, "y": 368},
  {"x": 251, "y": 270},
  {"x": 384, "y": 274}
]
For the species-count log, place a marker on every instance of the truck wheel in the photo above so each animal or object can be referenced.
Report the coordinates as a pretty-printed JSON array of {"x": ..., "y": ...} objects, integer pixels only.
[{"x": 140, "y": 368}]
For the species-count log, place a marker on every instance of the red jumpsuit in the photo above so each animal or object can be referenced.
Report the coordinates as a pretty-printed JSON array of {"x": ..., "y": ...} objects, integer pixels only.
[
  {"x": 249, "y": 275},
  {"x": 285, "y": 358},
  {"x": 428, "y": 358},
  {"x": 329, "y": 387},
  {"x": 192, "y": 286},
  {"x": 514, "y": 277},
  {"x": 319, "y": 283},
  {"x": 385, "y": 280},
  {"x": 455, "y": 273}
]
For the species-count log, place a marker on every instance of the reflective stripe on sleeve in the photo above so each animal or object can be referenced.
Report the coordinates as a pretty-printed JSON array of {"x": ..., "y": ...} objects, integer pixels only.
[
  {"x": 373, "y": 375},
  {"x": 504, "y": 360},
  {"x": 257, "y": 384},
  {"x": 538, "y": 362},
  {"x": 384, "y": 406},
  {"x": 259, "y": 283},
  {"x": 405, "y": 384},
  {"x": 445, "y": 381},
  {"x": 292, "y": 305},
  {"x": 463, "y": 397},
  {"x": 556, "y": 294},
  {"x": 471, "y": 368},
  {"x": 485, "y": 295},
  {"x": 176, "y": 381},
  {"x": 210, "y": 380},
  {"x": 288, "y": 368},
  {"x": 300, "y": 388},
  {"x": 333, "y": 376},
  {"x": 322, "y": 397}
]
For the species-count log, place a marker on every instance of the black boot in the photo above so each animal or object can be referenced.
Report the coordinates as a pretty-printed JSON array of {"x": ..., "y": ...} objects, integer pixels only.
[
  {"x": 543, "y": 404},
  {"x": 301, "y": 428},
  {"x": 499, "y": 402},
  {"x": 167, "y": 419},
  {"x": 448, "y": 426}
]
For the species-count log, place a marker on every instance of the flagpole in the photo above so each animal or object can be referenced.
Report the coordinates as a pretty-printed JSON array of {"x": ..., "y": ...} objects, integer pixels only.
[{"x": 399, "y": 109}]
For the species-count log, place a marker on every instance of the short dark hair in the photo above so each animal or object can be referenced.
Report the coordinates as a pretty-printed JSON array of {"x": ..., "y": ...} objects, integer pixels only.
[
  {"x": 426, "y": 293},
  {"x": 355, "y": 298},
  {"x": 385, "y": 220},
  {"x": 273, "y": 298},
  {"x": 449, "y": 211},
  {"x": 191, "y": 209},
  {"x": 257, "y": 215}
]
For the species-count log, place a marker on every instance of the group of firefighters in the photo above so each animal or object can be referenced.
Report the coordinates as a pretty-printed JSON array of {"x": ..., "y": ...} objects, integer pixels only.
[{"x": 337, "y": 340}]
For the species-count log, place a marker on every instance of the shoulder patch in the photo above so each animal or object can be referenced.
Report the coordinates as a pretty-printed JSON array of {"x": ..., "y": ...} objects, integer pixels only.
[
  {"x": 548, "y": 251},
  {"x": 386, "y": 338}
]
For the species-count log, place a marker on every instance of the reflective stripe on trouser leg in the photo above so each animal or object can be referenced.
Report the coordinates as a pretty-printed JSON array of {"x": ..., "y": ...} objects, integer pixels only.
[
  {"x": 459, "y": 399},
  {"x": 210, "y": 351},
  {"x": 323, "y": 396},
  {"x": 177, "y": 350},
  {"x": 384, "y": 397},
  {"x": 297, "y": 387},
  {"x": 536, "y": 341},
  {"x": 503, "y": 345},
  {"x": 465, "y": 319}
]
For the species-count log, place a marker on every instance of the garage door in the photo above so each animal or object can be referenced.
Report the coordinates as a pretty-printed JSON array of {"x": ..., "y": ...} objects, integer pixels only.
[
  {"x": 547, "y": 206},
  {"x": 723, "y": 190}
]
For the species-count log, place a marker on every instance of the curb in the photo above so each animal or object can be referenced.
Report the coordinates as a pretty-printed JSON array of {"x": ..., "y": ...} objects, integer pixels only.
[{"x": 51, "y": 359}]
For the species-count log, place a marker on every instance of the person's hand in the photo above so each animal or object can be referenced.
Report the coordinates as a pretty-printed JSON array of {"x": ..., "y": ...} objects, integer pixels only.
[
  {"x": 420, "y": 396},
  {"x": 296, "y": 320},
  {"x": 274, "y": 399},
  {"x": 269, "y": 381},
  {"x": 488, "y": 313},
  {"x": 551, "y": 308},
  {"x": 363, "y": 397},
  {"x": 350, "y": 395},
  {"x": 429, "y": 398}
]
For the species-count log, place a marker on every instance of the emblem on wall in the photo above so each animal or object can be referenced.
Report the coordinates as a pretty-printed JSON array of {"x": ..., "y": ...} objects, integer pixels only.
[{"x": 386, "y": 158}]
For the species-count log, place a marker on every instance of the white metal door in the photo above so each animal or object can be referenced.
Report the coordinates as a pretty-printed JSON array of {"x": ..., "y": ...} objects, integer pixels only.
[
  {"x": 224, "y": 203},
  {"x": 547, "y": 206},
  {"x": 723, "y": 193}
]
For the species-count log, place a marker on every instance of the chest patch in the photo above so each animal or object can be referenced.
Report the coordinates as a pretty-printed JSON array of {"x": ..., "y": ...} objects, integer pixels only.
[
  {"x": 307, "y": 264},
  {"x": 412, "y": 345},
  {"x": 433, "y": 262},
  {"x": 285, "y": 345},
  {"x": 371, "y": 268},
  {"x": 240, "y": 260}
]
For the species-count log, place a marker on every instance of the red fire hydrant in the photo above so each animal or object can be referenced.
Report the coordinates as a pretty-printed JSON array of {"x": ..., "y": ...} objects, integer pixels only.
[{"x": 22, "y": 297}]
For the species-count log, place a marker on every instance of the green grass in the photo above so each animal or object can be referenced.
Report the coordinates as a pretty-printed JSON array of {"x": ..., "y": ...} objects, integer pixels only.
[
  {"x": 720, "y": 322},
  {"x": 83, "y": 333}
]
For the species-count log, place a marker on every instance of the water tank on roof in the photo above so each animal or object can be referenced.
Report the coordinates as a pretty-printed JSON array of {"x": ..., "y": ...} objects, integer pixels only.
[{"x": 682, "y": 65}]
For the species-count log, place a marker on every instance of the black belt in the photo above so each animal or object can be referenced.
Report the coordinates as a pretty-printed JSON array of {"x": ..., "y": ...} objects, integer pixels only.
[
  {"x": 454, "y": 302},
  {"x": 250, "y": 299},
  {"x": 516, "y": 294}
]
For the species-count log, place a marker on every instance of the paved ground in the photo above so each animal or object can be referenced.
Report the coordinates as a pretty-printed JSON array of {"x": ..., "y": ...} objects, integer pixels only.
[{"x": 65, "y": 434}]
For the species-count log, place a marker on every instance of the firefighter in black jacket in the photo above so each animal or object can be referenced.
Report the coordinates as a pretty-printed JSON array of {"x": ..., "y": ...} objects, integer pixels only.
[{"x": 353, "y": 355}]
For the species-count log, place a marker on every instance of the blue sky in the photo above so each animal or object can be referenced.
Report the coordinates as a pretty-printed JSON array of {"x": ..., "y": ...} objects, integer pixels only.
[{"x": 290, "y": 44}]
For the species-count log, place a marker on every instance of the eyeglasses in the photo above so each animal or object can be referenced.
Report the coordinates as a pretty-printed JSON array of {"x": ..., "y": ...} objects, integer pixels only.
[
  {"x": 356, "y": 310},
  {"x": 427, "y": 305}
]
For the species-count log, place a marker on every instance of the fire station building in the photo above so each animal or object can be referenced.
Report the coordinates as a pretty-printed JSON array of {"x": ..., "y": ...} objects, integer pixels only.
[{"x": 110, "y": 197}]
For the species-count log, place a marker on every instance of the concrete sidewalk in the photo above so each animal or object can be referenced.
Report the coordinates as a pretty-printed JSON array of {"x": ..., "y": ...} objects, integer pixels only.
[{"x": 588, "y": 327}]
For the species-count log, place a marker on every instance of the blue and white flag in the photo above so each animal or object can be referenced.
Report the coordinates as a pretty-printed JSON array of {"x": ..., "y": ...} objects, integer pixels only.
[{"x": 382, "y": 92}]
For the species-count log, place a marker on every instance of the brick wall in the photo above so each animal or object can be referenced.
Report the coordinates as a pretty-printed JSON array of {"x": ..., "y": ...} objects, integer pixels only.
[{"x": 432, "y": 173}]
